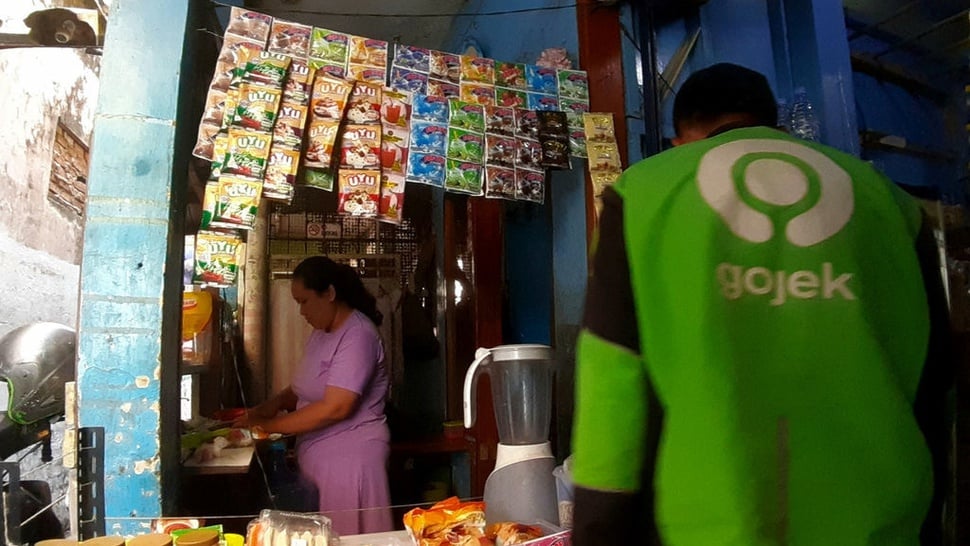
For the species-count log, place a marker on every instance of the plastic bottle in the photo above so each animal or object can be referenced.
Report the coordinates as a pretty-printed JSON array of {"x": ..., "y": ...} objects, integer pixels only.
[
  {"x": 804, "y": 122},
  {"x": 784, "y": 115}
]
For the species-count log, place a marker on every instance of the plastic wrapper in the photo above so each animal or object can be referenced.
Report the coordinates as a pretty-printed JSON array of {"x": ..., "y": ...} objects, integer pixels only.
[
  {"x": 321, "y": 179},
  {"x": 512, "y": 98},
  {"x": 249, "y": 24},
  {"x": 215, "y": 108},
  {"x": 499, "y": 182},
  {"x": 463, "y": 177},
  {"x": 238, "y": 202},
  {"x": 526, "y": 123},
  {"x": 540, "y": 79},
  {"x": 573, "y": 84},
  {"x": 412, "y": 58},
  {"x": 391, "y": 208},
  {"x": 364, "y": 73},
  {"x": 530, "y": 185},
  {"x": 429, "y": 138},
  {"x": 466, "y": 115},
  {"x": 328, "y": 45},
  {"x": 450, "y": 517},
  {"x": 268, "y": 69},
  {"x": 426, "y": 169},
  {"x": 321, "y": 140},
  {"x": 329, "y": 98},
  {"x": 478, "y": 93},
  {"x": 539, "y": 101},
  {"x": 367, "y": 52},
  {"x": 237, "y": 50},
  {"x": 499, "y": 120},
  {"x": 395, "y": 107},
  {"x": 299, "y": 83},
  {"x": 364, "y": 106},
  {"x": 441, "y": 88},
  {"x": 205, "y": 141},
  {"x": 554, "y": 140},
  {"x": 210, "y": 205},
  {"x": 477, "y": 69},
  {"x": 335, "y": 70},
  {"x": 510, "y": 75},
  {"x": 529, "y": 154},
  {"x": 429, "y": 108},
  {"x": 444, "y": 66},
  {"x": 395, "y": 132},
  {"x": 219, "y": 149},
  {"x": 216, "y": 258},
  {"x": 291, "y": 39},
  {"x": 465, "y": 146},
  {"x": 360, "y": 147},
  {"x": 500, "y": 151},
  {"x": 257, "y": 108},
  {"x": 279, "y": 528},
  {"x": 599, "y": 127},
  {"x": 281, "y": 174},
  {"x": 604, "y": 157},
  {"x": 409, "y": 80},
  {"x": 360, "y": 192},
  {"x": 290, "y": 126},
  {"x": 247, "y": 153}
]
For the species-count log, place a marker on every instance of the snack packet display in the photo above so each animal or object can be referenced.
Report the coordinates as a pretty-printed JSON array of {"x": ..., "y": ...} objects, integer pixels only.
[
  {"x": 335, "y": 70},
  {"x": 219, "y": 148},
  {"x": 466, "y": 115},
  {"x": 299, "y": 83},
  {"x": 426, "y": 169},
  {"x": 444, "y": 66},
  {"x": 281, "y": 174},
  {"x": 290, "y": 126},
  {"x": 412, "y": 58},
  {"x": 247, "y": 153},
  {"x": 512, "y": 98},
  {"x": 440, "y": 88},
  {"x": 540, "y": 79},
  {"x": 360, "y": 192},
  {"x": 500, "y": 151},
  {"x": 477, "y": 69},
  {"x": 510, "y": 75},
  {"x": 216, "y": 258},
  {"x": 367, "y": 52},
  {"x": 321, "y": 140},
  {"x": 529, "y": 154},
  {"x": 478, "y": 93},
  {"x": 257, "y": 108},
  {"x": 360, "y": 147},
  {"x": 499, "y": 183},
  {"x": 329, "y": 46},
  {"x": 329, "y": 97},
  {"x": 499, "y": 120},
  {"x": 361, "y": 73},
  {"x": 450, "y": 517},
  {"x": 573, "y": 84},
  {"x": 539, "y": 101},
  {"x": 465, "y": 145},
  {"x": 249, "y": 24},
  {"x": 604, "y": 155},
  {"x": 409, "y": 80},
  {"x": 428, "y": 140},
  {"x": 364, "y": 106},
  {"x": 205, "y": 141},
  {"x": 395, "y": 132},
  {"x": 463, "y": 177},
  {"x": 238, "y": 202},
  {"x": 391, "y": 208},
  {"x": 554, "y": 140},
  {"x": 430, "y": 108},
  {"x": 268, "y": 69},
  {"x": 529, "y": 185},
  {"x": 574, "y": 119},
  {"x": 291, "y": 39},
  {"x": 526, "y": 124}
]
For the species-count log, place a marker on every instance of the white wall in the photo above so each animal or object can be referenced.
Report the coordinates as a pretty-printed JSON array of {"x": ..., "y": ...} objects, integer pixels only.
[{"x": 40, "y": 242}]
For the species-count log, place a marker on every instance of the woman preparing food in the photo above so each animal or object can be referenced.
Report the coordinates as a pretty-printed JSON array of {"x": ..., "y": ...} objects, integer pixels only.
[{"x": 335, "y": 403}]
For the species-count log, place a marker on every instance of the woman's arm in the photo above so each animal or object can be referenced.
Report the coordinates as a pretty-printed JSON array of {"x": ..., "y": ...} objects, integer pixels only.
[
  {"x": 337, "y": 404},
  {"x": 284, "y": 400}
]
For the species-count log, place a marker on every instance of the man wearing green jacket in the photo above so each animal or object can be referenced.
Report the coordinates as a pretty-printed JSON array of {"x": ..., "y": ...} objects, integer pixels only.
[{"x": 756, "y": 366}]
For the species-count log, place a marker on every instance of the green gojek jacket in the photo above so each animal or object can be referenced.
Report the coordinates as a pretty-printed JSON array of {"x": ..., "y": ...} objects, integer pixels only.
[{"x": 755, "y": 334}]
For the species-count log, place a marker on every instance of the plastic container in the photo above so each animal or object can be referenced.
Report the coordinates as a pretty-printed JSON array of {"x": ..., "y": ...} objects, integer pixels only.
[
  {"x": 804, "y": 121},
  {"x": 104, "y": 541},
  {"x": 151, "y": 540},
  {"x": 196, "y": 327},
  {"x": 564, "y": 492},
  {"x": 199, "y": 537}
]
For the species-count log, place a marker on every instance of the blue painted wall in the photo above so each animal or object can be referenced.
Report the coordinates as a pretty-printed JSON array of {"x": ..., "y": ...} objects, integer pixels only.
[
  {"x": 123, "y": 363},
  {"x": 545, "y": 249}
]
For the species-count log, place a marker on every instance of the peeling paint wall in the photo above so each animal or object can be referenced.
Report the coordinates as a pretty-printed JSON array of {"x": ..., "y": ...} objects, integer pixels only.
[{"x": 40, "y": 241}]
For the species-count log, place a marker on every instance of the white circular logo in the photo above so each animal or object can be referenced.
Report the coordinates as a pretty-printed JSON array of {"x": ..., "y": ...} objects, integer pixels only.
[{"x": 776, "y": 175}]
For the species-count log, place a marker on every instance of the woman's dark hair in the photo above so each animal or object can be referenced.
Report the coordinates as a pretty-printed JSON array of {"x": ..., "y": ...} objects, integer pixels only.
[
  {"x": 725, "y": 88},
  {"x": 318, "y": 273}
]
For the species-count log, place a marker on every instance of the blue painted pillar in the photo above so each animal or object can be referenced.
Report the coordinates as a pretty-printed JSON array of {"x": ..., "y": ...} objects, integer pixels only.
[
  {"x": 819, "y": 60},
  {"x": 128, "y": 338}
]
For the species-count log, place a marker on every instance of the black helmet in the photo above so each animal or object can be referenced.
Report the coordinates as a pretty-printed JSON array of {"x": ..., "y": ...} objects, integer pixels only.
[{"x": 36, "y": 361}]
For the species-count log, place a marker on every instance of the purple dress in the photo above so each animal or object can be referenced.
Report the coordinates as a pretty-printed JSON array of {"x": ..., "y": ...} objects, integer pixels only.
[{"x": 347, "y": 461}]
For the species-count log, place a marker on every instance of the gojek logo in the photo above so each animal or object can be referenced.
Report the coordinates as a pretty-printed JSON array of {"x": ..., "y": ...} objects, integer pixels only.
[
  {"x": 815, "y": 199},
  {"x": 780, "y": 173}
]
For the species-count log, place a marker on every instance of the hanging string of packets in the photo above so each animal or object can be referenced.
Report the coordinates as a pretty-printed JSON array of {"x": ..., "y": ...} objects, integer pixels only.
[{"x": 292, "y": 104}]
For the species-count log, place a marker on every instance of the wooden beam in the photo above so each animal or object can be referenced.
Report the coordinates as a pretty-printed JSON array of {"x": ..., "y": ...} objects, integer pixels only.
[{"x": 601, "y": 55}]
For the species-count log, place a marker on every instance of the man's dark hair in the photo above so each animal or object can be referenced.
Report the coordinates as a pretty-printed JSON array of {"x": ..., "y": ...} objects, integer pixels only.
[{"x": 725, "y": 88}]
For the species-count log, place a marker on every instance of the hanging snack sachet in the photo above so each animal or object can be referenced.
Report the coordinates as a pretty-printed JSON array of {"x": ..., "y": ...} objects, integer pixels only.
[
  {"x": 359, "y": 192},
  {"x": 216, "y": 258}
]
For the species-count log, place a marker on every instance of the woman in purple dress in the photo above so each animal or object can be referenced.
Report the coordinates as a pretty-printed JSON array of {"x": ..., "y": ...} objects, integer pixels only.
[{"x": 335, "y": 403}]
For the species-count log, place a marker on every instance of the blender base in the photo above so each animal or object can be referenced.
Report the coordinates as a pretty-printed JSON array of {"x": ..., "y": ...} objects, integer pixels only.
[{"x": 522, "y": 487}]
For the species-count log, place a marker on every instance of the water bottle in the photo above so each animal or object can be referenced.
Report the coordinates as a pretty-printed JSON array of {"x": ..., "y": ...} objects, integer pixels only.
[
  {"x": 784, "y": 115},
  {"x": 804, "y": 123}
]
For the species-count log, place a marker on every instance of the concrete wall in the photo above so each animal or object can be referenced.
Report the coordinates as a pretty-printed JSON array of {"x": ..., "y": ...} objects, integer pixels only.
[{"x": 40, "y": 241}]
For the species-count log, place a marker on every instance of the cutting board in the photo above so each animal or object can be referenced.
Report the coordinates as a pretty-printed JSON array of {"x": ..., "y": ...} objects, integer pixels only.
[{"x": 232, "y": 460}]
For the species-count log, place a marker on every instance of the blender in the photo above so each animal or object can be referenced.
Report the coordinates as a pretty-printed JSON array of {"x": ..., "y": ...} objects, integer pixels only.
[{"x": 521, "y": 487}]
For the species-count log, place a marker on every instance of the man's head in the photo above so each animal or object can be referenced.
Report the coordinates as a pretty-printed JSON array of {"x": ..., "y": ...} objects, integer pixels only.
[{"x": 719, "y": 95}]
